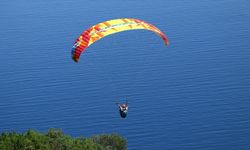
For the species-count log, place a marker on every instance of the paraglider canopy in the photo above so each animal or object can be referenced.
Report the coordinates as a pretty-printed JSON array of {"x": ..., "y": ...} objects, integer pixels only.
[{"x": 103, "y": 29}]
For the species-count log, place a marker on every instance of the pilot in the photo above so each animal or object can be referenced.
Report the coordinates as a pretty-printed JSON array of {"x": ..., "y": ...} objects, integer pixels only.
[{"x": 123, "y": 109}]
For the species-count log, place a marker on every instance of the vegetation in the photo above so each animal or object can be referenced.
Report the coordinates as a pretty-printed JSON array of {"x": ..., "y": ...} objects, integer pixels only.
[{"x": 55, "y": 139}]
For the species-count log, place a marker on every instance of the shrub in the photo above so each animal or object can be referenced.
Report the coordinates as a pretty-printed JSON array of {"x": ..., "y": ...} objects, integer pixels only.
[{"x": 55, "y": 139}]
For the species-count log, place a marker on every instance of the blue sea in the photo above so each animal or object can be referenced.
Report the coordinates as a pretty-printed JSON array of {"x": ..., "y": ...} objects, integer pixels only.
[{"x": 193, "y": 94}]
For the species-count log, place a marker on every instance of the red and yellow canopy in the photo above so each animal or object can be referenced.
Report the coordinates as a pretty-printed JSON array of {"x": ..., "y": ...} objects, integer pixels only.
[{"x": 106, "y": 28}]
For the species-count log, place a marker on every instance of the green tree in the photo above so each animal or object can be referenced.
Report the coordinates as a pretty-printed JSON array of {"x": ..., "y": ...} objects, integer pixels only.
[{"x": 55, "y": 139}]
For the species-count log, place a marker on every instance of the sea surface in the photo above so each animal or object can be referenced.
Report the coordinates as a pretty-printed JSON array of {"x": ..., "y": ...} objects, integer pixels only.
[{"x": 192, "y": 94}]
